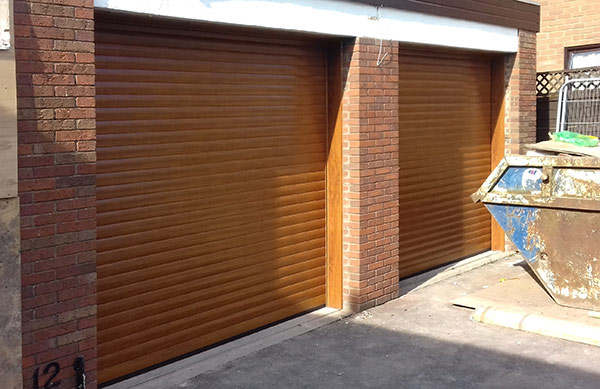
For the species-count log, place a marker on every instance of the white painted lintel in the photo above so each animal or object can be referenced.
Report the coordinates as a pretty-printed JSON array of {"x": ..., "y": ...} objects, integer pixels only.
[{"x": 339, "y": 18}]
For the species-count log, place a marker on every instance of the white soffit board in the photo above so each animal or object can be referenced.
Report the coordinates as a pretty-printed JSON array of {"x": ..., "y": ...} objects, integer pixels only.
[
  {"x": 4, "y": 25},
  {"x": 332, "y": 17}
]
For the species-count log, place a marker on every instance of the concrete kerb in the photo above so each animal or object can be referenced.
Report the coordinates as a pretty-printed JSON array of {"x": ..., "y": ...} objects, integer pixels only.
[{"x": 537, "y": 324}]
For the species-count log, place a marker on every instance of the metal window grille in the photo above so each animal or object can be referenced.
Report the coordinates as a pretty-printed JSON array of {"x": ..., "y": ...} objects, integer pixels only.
[{"x": 579, "y": 106}]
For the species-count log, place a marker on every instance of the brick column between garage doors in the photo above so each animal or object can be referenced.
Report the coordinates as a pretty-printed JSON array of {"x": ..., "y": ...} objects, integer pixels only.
[
  {"x": 520, "y": 103},
  {"x": 370, "y": 159},
  {"x": 56, "y": 129}
]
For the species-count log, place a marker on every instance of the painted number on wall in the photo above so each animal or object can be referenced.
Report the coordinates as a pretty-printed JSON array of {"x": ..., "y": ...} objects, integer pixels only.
[{"x": 52, "y": 369}]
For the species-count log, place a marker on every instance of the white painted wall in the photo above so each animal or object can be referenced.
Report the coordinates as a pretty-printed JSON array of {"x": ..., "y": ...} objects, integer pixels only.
[{"x": 332, "y": 17}]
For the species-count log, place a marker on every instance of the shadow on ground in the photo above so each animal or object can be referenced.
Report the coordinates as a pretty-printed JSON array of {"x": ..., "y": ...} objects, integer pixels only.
[
  {"x": 360, "y": 356},
  {"x": 417, "y": 341}
]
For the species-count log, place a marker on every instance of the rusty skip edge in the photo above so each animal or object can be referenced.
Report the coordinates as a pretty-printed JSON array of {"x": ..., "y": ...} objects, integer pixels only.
[
  {"x": 546, "y": 197},
  {"x": 549, "y": 208},
  {"x": 562, "y": 247}
]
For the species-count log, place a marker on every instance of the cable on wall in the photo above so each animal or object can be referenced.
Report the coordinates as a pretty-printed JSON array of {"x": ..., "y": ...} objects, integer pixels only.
[{"x": 380, "y": 59}]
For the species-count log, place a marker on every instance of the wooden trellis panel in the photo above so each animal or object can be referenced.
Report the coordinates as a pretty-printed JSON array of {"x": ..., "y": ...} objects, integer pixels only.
[
  {"x": 547, "y": 87},
  {"x": 549, "y": 83}
]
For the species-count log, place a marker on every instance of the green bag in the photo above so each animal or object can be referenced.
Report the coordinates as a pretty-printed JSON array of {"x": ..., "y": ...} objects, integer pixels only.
[{"x": 575, "y": 138}]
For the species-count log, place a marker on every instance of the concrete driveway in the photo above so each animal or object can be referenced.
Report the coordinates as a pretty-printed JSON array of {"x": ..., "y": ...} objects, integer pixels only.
[{"x": 417, "y": 341}]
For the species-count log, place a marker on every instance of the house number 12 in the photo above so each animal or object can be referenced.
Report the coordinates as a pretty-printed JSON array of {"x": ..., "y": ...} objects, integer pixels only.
[{"x": 53, "y": 368}]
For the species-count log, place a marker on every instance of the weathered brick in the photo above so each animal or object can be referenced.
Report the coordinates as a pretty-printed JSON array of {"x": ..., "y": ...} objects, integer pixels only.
[
  {"x": 53, "y": 102},
  {"x": 80, "y": 225},
  {"x": 38, "y": 278},
  {"x": 57, "y": 330},
  {"x": 33, "y": 20},
  {"x": 85, "y": 102},
  {"x": 76, "y": 204},
  {"x": 46, "y": 125},
  {"x": 84, "y": 13},
  {"x": 74, "y": 113},
  {"x": 52, "y": 49},
  {"x": 35, "y": 160},
  {"x": 74, "y": 68},
  {"x": 54, "y": 171},
  {"x": 51, "y": 10},
  {"x": 55, "y": 263},
  {"x": 44, "y": 56},
  {"x": 75, "y": 91},
  {"x": 86, "y": 168},
  {"x": 520, "y": 108},
  {"x": 38, "y": 301},
  {"x": 56, "y": 353},
  {"x": 69, "y": 294},
  {"x": 36, "y": 209},
  {"x": 86, "y": 145},
  {"x": 75, "y": 158},
  {"x": 75, "y": 248},
  {"x": 30, "y": 90},
  {"x": 74, "y": 46},
  {"x": 51, "y": 32},
  {"x": 85, "y": 124},
  {"x": 85, "y": 79},
  {"x": 74, "y": 181},
  {"x": 35, "y": 114},
  {"x": 37, "y": 255},
  {"x": 24, "y": 150},
  {"x": 63, "y": 136},
  {"x": 562, "y": 25},
  {"x": 52, "y": 79},
  {"x": 35, "y": 67},
  {"x": 74, "y": 23},
  {"x": 75, "y": 337},
  {"x": 57, "y": 194},
  {"x": 86, "y": 36},
  {"x": 56, "y": 308},
  {"x": 84, "y": 57},
  {"x": 56, "y": 147},
  {"x": 38, "y": 184},
  {"x": 370, "y": 96},
  {"x": 76, "y": 3}
]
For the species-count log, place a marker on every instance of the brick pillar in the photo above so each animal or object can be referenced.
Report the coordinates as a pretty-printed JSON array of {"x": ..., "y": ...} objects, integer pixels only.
[
  {"x": 56, "y": 131},
  {"x": 10, "y": 261},
  {"x": 370, "y": 158},
  {"x": 520, "y": 95}
]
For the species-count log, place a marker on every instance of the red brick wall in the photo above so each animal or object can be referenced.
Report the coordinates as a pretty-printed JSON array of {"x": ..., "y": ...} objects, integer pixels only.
[
  {"x": 520, "y": 105},
  {"x": 56, "y": 98},
  {"x": 54, "y": 43},
  {"x": 370, "y": 158},
  {"x": 565, "y": 24}
]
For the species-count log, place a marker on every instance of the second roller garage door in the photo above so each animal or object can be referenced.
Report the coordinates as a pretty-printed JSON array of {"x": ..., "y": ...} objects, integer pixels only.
[
  {"x": 211, "y": 186},
  {"x": 445, "y": 151}
]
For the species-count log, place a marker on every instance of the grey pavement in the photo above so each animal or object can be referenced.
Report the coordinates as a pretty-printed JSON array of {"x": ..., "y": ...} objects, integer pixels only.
[{"x": 417, "y": 341}]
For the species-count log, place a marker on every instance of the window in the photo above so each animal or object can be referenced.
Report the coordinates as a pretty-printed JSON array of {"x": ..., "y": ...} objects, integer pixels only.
[{"x": 582, "y": 57}]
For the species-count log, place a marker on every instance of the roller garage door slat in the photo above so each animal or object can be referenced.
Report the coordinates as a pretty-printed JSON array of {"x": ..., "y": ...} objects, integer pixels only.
[
  {"x": 445, "y": 151},
  {"x": 211, "y": 149}
]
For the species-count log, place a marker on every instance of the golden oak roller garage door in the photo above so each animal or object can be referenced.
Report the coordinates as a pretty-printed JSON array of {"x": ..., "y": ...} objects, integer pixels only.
[
  {"x": 211, "y": 187},
  {"x": 445, "y": 151}
]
